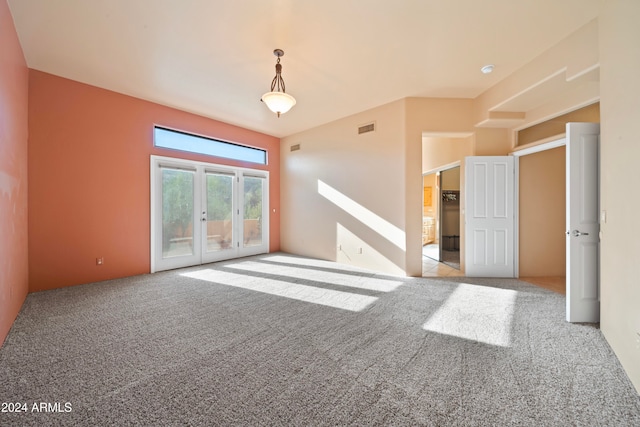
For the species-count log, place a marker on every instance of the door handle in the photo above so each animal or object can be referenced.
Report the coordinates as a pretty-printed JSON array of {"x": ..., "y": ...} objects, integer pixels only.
[{"x": 577, "y": 233}]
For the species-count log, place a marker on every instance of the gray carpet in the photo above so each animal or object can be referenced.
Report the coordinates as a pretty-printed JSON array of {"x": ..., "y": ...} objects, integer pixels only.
[{"x": 284, "y": 340}]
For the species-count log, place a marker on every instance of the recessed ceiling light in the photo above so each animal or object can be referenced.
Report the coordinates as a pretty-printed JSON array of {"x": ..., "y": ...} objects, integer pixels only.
[{"x": 487, "y": 68}]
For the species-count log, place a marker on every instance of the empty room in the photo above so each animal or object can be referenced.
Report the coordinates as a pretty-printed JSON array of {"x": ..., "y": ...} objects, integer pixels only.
[{"x": 186, "y": 240}]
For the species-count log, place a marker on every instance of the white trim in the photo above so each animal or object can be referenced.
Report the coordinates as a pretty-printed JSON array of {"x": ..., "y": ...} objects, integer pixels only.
[
  {"x": 516, "y": 219},
  {"x": 152, "y": 222},
  {"x": 213, "y": 138},
  {"x": 583, "y": 72},
  {"x": 447, "y": 134},
  {"x": 561, "y": 112},
  {"x": 531, "y": 149}
]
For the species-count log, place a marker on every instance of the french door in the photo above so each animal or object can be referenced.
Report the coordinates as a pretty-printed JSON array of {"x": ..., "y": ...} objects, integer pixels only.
[{"x": 202, "y": 212}]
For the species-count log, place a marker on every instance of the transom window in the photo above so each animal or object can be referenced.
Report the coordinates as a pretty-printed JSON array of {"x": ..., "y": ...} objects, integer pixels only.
[{"x": 177, "y": 140}]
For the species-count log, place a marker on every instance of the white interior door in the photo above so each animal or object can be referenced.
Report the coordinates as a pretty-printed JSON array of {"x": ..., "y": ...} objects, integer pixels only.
[
  {"x": 583, "y": 243},
  {"x": 203, "y": 213},
  {"x": 490, "y": 216}
]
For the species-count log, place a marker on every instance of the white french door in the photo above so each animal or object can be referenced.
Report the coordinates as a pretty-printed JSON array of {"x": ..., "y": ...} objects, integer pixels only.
[{"x": 203, "y": 212}]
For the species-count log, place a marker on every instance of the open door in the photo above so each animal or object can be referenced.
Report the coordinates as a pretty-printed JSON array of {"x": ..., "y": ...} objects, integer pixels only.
[
  {"x": 583, "y": 227},
  {"x": 490, "y": 216}
]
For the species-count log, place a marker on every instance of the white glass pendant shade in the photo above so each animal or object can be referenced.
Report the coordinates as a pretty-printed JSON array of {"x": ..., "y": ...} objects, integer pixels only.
[{"x": 278, "y": 102}]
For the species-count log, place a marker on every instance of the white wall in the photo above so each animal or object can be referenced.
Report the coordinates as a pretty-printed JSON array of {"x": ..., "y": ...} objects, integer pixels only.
[
  {"x": 443, "y": 151},
  {"x": 370, "y": 193},
  {"x": 343, "y": 192},
  {"x": 620, "y": 175}
]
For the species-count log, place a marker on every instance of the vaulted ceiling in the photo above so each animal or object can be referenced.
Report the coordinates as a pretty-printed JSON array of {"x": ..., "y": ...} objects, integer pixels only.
[{"x": 215, "y": 57}]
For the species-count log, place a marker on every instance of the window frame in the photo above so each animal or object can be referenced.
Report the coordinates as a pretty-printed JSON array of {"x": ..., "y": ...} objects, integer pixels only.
[{"x": 216, "y": 141}]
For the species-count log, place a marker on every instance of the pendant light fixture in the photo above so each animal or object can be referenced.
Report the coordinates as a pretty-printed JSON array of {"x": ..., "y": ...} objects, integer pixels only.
[{"x": 277, "y": 100}]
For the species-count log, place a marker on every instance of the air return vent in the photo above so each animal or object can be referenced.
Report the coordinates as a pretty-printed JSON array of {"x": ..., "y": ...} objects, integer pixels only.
[
  {"x": 369, "y": 127},
  {"x": 295, "y": 147}
]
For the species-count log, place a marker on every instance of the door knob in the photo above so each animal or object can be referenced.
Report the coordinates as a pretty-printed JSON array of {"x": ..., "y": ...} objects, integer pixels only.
[{"x": 577, "y": 233}]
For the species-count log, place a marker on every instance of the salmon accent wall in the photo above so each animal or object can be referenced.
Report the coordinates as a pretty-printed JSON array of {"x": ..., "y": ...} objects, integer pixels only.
[
  {"x": 89, "y": 193},
  {"x": 14, "y": 270}
]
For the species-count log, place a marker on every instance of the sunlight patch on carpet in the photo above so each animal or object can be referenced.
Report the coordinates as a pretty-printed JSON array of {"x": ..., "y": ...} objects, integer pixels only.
[
  {"x": 348, "y": 280},
  {"x": 476, "y": 313},
  {"x": 327, "y": 297}
]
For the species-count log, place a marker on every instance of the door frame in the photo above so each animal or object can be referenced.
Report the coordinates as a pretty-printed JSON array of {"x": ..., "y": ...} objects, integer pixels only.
[
  {"x": 200, "y": 166},
  {"x": 441, "y": 209},
  {"x": 546, "y": 144},
  {"x": 438, "y": 171}
]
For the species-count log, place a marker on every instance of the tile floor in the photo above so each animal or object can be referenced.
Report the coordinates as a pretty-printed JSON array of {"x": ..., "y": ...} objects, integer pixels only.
[{"x": 433, "y": 268}]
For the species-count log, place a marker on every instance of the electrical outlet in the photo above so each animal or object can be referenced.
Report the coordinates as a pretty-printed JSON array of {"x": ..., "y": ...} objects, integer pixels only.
[
  {"x": 360, "y": 250},
  {"x": 100, "y": 261}
]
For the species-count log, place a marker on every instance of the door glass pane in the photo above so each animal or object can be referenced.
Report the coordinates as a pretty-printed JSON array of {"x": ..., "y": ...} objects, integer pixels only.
[
  {"x": 177, "y": 213},
  {"x": 252, "y": 211},
  {"x": 219, "y": 212}
]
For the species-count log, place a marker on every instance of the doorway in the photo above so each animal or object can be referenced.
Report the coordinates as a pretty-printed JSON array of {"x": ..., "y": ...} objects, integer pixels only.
[
  {"x": 582, "y": 245},
  {"x": 542, "y": 218},
  {"x": 450, "y": 217},
  {"x": 441, "y": 222},
  {"x": 203, "y": 212},
  {"x": 431, "y": 216}
]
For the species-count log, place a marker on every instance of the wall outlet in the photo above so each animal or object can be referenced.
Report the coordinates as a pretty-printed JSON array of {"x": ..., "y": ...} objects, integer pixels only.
[
  {"x": 360, "y": 250},
  {"x": 100, "y": 261}
]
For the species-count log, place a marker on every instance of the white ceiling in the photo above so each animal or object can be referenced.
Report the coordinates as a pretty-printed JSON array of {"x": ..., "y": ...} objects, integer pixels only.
[{"x": 214, "y": 57}]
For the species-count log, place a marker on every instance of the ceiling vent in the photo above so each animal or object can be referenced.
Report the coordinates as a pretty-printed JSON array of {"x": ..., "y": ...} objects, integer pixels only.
[
  {"x": 295, "y": 147},
  {"x": 370, "y": 127}
]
